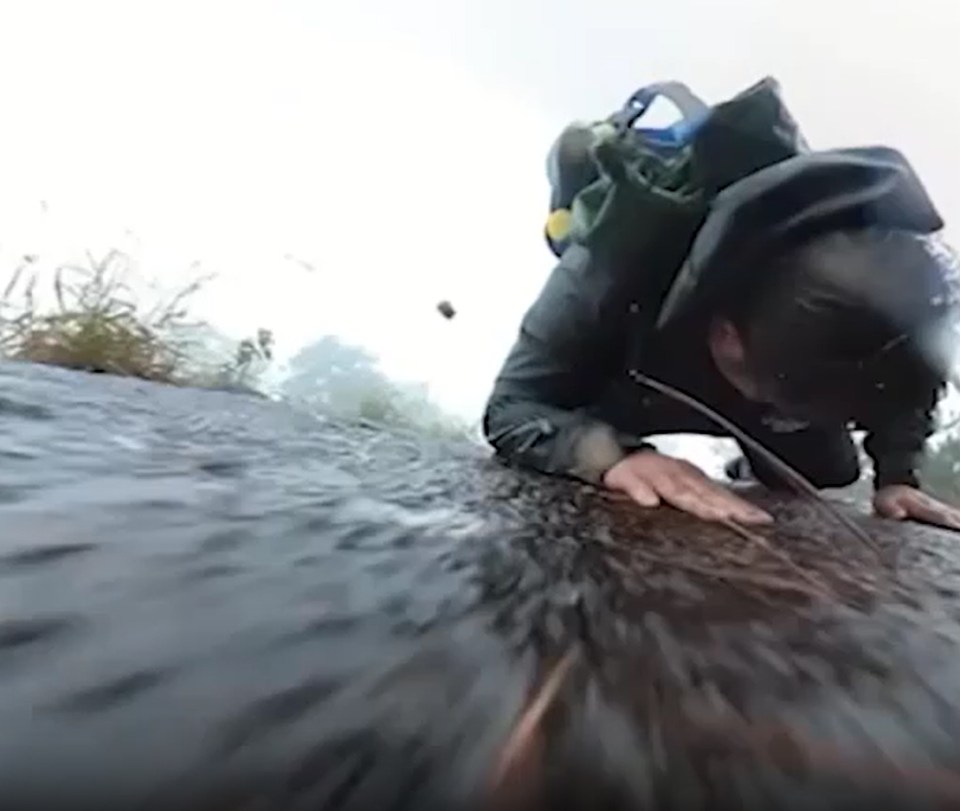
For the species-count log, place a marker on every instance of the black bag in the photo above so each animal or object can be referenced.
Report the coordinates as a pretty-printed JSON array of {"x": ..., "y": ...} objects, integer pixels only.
[{"x": 638, "y": 196}]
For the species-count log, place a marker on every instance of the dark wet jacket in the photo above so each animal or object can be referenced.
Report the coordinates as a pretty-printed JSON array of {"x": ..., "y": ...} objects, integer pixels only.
[{"x": 564, "y": 401}]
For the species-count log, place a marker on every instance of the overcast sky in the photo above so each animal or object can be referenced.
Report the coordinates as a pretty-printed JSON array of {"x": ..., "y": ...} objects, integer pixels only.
[{"x": 398, "y": 147}]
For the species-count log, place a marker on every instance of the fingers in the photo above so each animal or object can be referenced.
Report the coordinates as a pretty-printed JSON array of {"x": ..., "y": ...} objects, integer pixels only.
[
  {"x": 913, "y": 504},
  {"x": 698, "y": 495},
  {"x": 951, "y": 519},
  {"x": 933, "y": 512},
  {"x": 740, "y": 509},
  {"x": 686, "y": 498},
  {"x": 642, "y": 493},
  {"x": 651, "y": 479},
  {"x": 892, "y": 510}
]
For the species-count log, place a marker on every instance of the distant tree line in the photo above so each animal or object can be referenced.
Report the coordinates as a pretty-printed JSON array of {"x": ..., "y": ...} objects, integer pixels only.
[{"x": 337, "y": 378}]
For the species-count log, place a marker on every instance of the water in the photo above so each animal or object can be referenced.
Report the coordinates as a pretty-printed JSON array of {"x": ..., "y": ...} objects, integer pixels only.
[{"x": 209, "y": 600}]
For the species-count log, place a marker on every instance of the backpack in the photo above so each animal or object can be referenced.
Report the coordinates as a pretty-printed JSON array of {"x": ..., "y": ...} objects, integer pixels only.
[{"x": 637, "y": 196}]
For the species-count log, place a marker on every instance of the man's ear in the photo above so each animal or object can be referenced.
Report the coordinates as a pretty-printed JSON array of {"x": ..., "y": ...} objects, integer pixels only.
[{"x": 725, "y": 340}]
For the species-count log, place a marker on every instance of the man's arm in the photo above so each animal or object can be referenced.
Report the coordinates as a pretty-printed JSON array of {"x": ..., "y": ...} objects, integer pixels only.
[
  {"x": 570, "y": 340},
  {"x": 826, "y": 457},
  {"x": 897, "y": 448}
]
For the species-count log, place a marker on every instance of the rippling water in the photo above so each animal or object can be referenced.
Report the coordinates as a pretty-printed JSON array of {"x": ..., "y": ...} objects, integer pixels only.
[{"x": 208, "y": 599}]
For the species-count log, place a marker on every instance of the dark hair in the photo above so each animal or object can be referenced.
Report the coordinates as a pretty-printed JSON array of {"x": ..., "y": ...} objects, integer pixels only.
[{"x": 854, "y": 324}]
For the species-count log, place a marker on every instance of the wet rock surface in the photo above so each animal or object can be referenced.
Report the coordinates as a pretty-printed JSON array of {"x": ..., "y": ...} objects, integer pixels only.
[{"x": 210, "y": 601}]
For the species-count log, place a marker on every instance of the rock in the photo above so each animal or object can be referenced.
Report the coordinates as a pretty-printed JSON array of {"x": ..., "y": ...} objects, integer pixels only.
[{"x": 214, "y": 602}]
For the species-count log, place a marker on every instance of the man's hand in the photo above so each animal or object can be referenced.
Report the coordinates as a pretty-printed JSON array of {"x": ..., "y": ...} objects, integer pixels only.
[
  {"x": 650, "y": 478},
  {"x": 902, "y": 502}
]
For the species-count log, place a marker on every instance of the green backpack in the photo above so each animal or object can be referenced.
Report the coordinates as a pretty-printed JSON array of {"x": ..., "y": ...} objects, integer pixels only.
[{"x": 638, "y": 196}]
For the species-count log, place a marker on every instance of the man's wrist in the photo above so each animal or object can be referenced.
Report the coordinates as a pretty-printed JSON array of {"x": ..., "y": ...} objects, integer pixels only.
[
  {"x": 892, "y": 478},
  {"x": 595, "y": 451}
]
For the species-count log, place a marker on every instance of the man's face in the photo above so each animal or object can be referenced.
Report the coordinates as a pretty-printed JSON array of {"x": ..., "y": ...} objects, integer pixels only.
[{"x": 731, "y": 356}]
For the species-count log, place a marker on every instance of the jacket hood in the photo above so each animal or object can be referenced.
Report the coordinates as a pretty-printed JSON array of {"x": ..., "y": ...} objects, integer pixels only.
[{"x": 787, "y": 203}]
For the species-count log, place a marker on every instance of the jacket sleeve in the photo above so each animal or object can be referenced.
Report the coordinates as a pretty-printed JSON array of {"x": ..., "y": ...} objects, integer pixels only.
[
  {"x": 824, "y": 456},
  {"x": 897, "y": 447},
  {"x": 570, "y": 340}
]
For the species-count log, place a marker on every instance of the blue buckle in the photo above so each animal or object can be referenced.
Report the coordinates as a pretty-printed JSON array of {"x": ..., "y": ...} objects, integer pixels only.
[{"x": 676, "y": 135}]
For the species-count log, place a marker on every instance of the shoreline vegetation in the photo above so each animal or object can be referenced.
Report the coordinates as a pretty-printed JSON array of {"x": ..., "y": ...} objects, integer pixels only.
[
  {"x": 89, "y": 317},
  {"x": 94, "y": 323}
]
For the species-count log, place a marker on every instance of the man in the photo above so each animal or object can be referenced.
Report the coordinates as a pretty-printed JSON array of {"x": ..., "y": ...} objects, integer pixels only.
[{"x": 815, "y": 299}]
